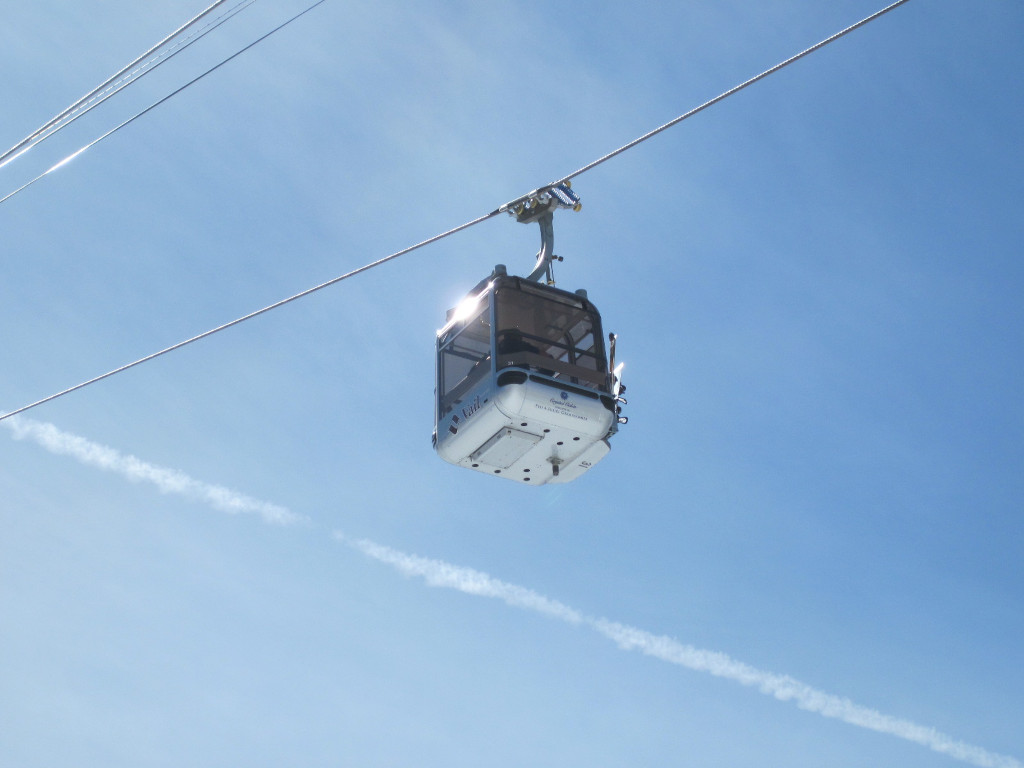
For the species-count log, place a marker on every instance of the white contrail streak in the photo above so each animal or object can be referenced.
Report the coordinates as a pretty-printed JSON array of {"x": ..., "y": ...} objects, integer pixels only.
[
  {"x": 438, "y": 573},
  {"x": 785, "y": 688},
  {"x": 166, "y": 480}
]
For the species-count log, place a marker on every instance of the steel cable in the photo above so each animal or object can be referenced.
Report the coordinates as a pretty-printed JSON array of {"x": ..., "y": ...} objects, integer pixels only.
[
  {"x": 728, "y": 93},
  {"x": 112, "y": 86},
  {"x": 435, "y": 238},
  {"x": 29, "y": 141},
  {"x": 157, "y": 103},
  {"x": 251, "y": 315}
]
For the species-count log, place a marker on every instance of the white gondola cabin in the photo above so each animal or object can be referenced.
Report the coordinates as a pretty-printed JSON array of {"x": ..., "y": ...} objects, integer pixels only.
[
  {"x": 525, "y": 386},
  {"x": 524, "y": 390}
]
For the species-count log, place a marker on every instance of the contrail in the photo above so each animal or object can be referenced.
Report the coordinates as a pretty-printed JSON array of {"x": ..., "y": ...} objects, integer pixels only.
[
  {"x": 166, "y": 480},
  {"x": 438, "y": 573}
]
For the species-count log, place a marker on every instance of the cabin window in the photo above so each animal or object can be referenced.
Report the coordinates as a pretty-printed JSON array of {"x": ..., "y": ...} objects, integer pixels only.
[
  {"x": 555, "y": 334},
  {"x": 465, "y": 358}
]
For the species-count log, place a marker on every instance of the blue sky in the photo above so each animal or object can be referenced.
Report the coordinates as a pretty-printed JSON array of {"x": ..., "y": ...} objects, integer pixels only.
[{"x": 816, "y": 288}]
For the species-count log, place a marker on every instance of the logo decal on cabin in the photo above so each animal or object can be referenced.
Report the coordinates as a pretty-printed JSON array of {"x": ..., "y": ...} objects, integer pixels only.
[{"x": 472, "y": 408}]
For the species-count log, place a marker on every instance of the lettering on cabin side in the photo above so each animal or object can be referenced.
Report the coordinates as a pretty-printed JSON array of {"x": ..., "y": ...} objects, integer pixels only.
[{"x": 472, "y": 408}]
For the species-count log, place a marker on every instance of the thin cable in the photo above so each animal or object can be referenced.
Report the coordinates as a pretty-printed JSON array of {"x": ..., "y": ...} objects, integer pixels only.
[
  {"x": 725, "y": 95},
  {"x": 251, "y": 315},
  {"x": 113, "y": 86},
  {"x": 157, "y": 103},
  {"x": 18, "y": 148},
  {"x": 435, "y": 238}
]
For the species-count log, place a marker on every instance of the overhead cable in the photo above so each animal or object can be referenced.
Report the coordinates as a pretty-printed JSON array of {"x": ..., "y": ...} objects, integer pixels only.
[
  {"x": 101, "y": 94},
  {"x": 251, "y": 315},
  {"x": 726, "y": 94},
  {"x": 435, "y": 238},
  {"x": 730, "y": 92},
  {"x": 157, "y": 103},
  {"x": 126, "y": 74}
]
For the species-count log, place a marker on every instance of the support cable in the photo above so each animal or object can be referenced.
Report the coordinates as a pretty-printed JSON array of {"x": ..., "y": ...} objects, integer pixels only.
[
  {"x": 25, "y": 144},
  {"x": 501, "y": 209},
  {"x": 731, "y": 91},
  {"x": 781, "y": 65},
  {"x": 158, "y": 102},
  {"x": 114, "y": 85},
  {"x": 251, "y": 315}
]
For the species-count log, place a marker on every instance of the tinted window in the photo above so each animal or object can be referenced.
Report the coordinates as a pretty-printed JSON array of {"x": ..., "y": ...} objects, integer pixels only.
[
  {"x": 537, "y": 325},
  {"x": 465, "y": 358}
]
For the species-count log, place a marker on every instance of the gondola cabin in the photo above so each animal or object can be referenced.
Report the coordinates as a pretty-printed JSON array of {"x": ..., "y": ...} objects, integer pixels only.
[{"x": 524, "y": 390}]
